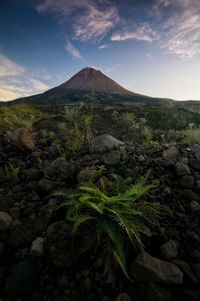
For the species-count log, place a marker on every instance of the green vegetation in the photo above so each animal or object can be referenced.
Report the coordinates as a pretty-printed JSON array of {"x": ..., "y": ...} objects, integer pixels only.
[
  {"x": 116, "y": 214},
  {"x": 192, "y": 136},
  {"x": 12, "y": 172},
  {"x": 15, "y": 116}
]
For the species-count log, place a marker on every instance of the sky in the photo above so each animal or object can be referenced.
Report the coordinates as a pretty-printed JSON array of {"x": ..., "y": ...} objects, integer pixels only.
[{"x": 151, "y": 47}]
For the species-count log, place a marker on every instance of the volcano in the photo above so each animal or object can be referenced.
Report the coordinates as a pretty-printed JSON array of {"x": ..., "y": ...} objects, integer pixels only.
[
  {"x": 87, "y": 85},
  {"x": 90, "y": 79}
]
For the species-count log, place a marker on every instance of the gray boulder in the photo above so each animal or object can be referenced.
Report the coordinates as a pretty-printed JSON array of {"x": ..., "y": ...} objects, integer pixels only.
[
  {"x": 148, "y": 268},
  {"x": 104, "y": 142},
  {"x": 22, "y": 279}
]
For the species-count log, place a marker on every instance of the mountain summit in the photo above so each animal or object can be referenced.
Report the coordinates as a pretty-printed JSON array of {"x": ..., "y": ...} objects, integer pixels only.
[{"x": 90, "y": 79}]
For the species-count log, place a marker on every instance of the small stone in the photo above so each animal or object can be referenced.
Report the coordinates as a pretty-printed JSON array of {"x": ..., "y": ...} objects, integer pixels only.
[
  {"x": 37, "y": 247},
  {"x": 88, "y": 284},
  {"x": 141, "y": 158},
  {"x": 195, "y": 206},
  {"x": 167, "y": 190},
  {"x": 2, "y": 248},
  {"x": 182, "y": 170},
  {"x": 112, "y": 158},
  {"x": 123, "y": 297},
  {"x": 88, "y": 175},
  {"x": 15, "y": 212},
  {"x": 5, "y": 221},
  {"x": 46, "y": 185},
  {"x": 186, "y": 182},
  {"x": 169, "y": 250}
]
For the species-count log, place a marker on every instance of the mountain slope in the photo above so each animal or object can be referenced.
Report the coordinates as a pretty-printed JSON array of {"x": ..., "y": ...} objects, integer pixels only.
[
  {"x": 90, "y": 79},
  {"x": 88, "y": 85}
]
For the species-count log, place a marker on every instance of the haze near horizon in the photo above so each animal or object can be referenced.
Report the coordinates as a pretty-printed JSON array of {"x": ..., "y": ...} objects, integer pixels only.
[{"x": 150, "y": 47}]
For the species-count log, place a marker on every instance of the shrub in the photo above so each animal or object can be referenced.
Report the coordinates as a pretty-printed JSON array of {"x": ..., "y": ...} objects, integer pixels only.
[
  {"x": 12, "y": 172},
  {"x": 114, "y": 216},
  {"x": 128, "y": 118},
  {"x": 192, "y": 136}
]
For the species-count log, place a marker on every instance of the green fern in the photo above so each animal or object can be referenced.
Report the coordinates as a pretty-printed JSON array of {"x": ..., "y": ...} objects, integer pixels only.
[{"x": 115, "y": 217}]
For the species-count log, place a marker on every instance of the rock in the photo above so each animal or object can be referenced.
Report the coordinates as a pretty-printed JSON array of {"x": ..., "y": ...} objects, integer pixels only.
[
  {"x": 65, "y": 170},
  {"x": 182, "y": 170},
  {"x": 190, "y": 295},
  {"x": 188, "y": 275},
  {"x": 112, "y": 158},
  {"x": 62, "y": 298},
  {"x": 5, "y": 221},
  {"x": 148, "y": 268},
  {"x": 141, "y": 158},
  {"x": 170, "y": 154},
  {"x": 196, "y": 269},
  {"x": 59, "y": 241},
  {"x": 37, "y": 247},
  {"x": 188, "y": 194},
  {"x": 123, "y": 297},
  {"x": 2, "y": 248},
  {"x": 88, "y": 175},
  {"x": 23, "y": 235},
  {"x": 169, "y": 250},
  {"x": 104, "y": 142},
  {"x": 22, "y": 139},
  {"x": 196, "y": 151},
  {"x": 6, "y": 199},
  {"x": 195, "y": 164},
  {"x": 46, "y": 185},
  {"x": 194, "y": 255},
  {"x": 15, "y": 212},
  {"x": 195, "y": 206},
  {"x": 22, "y": 279},
  {"x": 153, "y": 292},
  {"x": 33, "y": 174},
  {"x": 186, "y": 182}
]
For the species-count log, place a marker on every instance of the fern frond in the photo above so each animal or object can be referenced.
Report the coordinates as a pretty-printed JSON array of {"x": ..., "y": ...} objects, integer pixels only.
[{"x": 78, "y": 220}]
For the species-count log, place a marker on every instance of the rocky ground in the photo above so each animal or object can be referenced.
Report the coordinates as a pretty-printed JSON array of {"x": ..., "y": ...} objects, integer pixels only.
[{"x": 38, "y": 261}]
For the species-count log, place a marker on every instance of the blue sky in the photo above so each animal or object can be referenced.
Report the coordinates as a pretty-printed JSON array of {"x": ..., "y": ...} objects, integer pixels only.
[{"x": 151, "y": 47}]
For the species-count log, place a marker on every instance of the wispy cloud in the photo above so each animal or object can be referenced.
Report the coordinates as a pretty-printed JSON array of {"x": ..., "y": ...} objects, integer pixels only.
[
  {"x": 103, "y": 46},
  {"x": 15, "y": 81},
  {"x": 143, "y": 32},
  {"x": 9, "y": 68},
  {"x": 95, "y": 24},
  {"x": 72, "y": 50},
  {"x": 91, "y": 19},
  {"x": 181, "y": 31}
]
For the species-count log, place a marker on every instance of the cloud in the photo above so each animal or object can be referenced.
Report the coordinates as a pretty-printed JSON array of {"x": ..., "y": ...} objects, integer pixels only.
[
  {"x": 181, "y": 31},
  {"x": 143, "y": 32},
  {"x": 9, "y": 68},
  {"x": 95, "y": 24},
  {"x": 15, "y": 81},
  {"x": 72, "y": 50},
  {"x": 103, "y": 46},
  {"x": 91, "y": 19}
]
